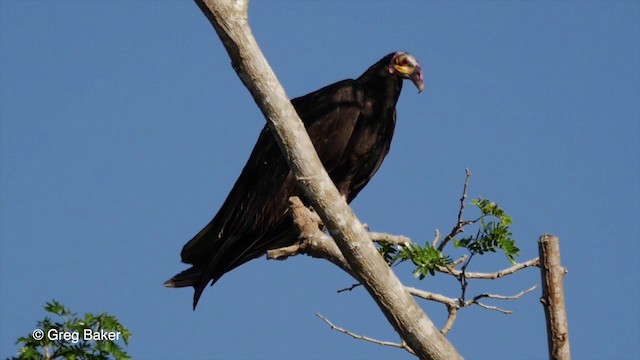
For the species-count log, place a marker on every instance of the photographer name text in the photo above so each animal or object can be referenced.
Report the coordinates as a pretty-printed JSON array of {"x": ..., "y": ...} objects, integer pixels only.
[{"x": 75, "y": 336}]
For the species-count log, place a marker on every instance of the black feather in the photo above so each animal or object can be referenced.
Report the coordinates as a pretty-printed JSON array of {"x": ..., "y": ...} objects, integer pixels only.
[{"x": 351, "y": 125}]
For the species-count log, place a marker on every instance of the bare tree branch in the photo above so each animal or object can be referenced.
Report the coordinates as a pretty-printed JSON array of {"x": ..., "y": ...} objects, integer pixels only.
[
  {"x": 455, "y": 263},
  {"x": 495, "y": 308},
  {"x": 504, "y": 297},
  {"x": 402, "y": 345},
  {"x": 453, "y": 305},
  {"x": 432, "y": 296},
  {"x": 494, "y": 275},
  {"x": 350, "y": 288},
  {"x": 451, "y": 318},
  {"x": 436, "y": 239},
  {"x": 460, "y": 224},
  {"x": 389, "y": 239},
  {"x": 476, "y": 299}
]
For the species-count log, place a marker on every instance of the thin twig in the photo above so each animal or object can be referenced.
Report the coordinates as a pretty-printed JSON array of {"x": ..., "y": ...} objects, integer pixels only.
[
  {"x": 455, "y": 263},
  {"x": 476, "y": 299},
  {"x": 436, "y": 239},
  {"x": 462, "y": 278},
  {"x": 349, "y": 288},
  {"x": 489, "y": 307},
  {"x": 460, "y": 224},
  {"x": 506, "y": 297},
  {"x": 402, "y": 345}
]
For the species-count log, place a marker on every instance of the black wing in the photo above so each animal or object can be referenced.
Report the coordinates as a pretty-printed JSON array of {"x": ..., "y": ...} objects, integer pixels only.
[{"x": 254, "y": 217}]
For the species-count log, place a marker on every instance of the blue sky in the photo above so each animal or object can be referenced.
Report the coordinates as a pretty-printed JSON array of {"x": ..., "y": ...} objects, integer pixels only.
[{"x": 123, "y": 127}]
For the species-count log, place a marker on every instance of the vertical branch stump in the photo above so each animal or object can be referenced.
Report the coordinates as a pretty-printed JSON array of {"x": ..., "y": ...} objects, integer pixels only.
[{"x": 552, "y": 298}]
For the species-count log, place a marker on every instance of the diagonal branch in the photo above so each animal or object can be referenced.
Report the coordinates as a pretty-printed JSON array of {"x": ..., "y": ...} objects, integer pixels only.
[{"x": 230, "y": 20}]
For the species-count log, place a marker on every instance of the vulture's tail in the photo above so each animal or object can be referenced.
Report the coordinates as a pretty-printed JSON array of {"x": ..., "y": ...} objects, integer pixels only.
[{"x": 189, "y": 277}]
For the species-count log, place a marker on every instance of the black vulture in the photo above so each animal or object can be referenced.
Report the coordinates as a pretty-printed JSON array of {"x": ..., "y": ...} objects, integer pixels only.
[{"x": 350, "y": 123}]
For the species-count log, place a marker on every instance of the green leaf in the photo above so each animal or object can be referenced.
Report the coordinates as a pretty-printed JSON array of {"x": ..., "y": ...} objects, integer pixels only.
[
  {"x": 426, "y": 259},
  {"x": 493, "y": 232}
]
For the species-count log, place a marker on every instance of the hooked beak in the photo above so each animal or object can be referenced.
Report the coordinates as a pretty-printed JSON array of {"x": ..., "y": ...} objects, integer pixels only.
[{"x": 416, "y": 78}]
